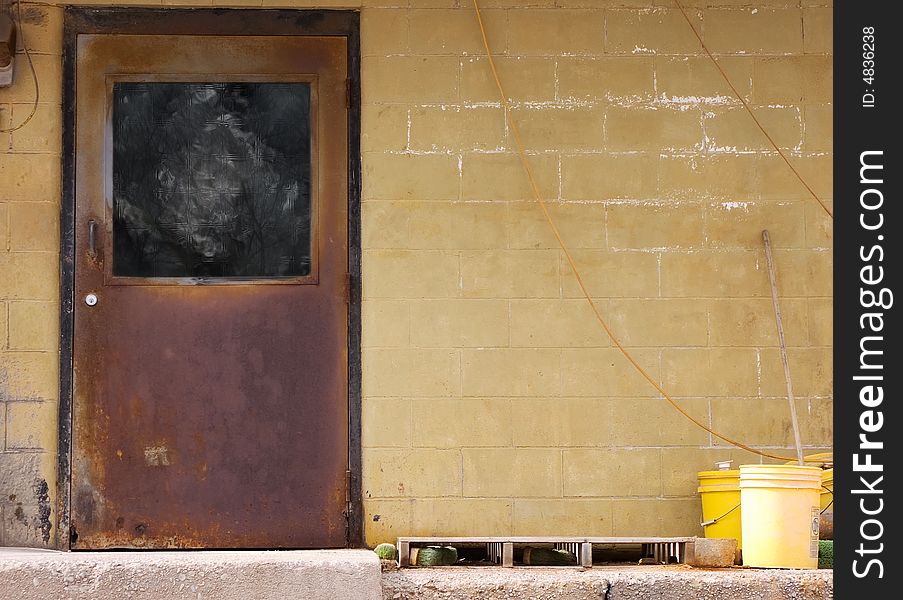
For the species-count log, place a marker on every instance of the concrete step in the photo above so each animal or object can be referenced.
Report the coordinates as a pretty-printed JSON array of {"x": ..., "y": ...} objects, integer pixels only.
[
  {"x": 627, "y": 582},
  {"x": 221, "y": 575},
  {"x": 355, "y": 575}
]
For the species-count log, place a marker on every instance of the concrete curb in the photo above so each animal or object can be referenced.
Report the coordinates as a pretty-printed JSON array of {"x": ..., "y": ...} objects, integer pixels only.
[
  {"x": 355, "y": 575},
  {"x": 682, "y": 583},
  {"x": 220, "y": 575},
  {"x": 608, "y": 583}
]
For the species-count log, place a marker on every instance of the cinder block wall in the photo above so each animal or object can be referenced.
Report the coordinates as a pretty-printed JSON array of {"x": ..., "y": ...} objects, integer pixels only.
[{"x": 492, "y": 402}]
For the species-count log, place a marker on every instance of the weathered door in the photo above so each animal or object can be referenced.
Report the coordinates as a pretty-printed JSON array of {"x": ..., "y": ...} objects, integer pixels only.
[{"x": 210, "y": 346}]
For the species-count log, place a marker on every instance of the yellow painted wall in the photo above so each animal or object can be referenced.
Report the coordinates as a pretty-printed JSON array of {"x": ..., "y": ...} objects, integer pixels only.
[{"x": 492, "y": 402}]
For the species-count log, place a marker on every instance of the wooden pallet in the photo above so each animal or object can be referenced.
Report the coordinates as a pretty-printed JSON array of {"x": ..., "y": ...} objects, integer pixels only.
[{"x": 500, "y": 550}]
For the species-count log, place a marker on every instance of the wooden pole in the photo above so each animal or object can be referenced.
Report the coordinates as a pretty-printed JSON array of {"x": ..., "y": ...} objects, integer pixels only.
[{"x": 777, "y": 317}]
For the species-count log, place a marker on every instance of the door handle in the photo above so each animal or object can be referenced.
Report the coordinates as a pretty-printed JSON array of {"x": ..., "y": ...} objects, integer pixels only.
[{"x": 92, "y": 238}]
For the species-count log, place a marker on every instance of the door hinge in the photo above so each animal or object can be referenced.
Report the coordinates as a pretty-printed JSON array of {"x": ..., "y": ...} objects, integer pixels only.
[
  {"x": 347, "y": 512},
  {"x": 348, "y": 93},
  {"x": 346, "y": 288},
  {"x": 348, "y": 489}
]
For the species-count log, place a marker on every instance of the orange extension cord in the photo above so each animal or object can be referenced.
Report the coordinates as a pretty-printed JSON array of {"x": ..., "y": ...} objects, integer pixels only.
[
  {"x": 749, "y": 110},
  {"x": 545, "y": 211}
]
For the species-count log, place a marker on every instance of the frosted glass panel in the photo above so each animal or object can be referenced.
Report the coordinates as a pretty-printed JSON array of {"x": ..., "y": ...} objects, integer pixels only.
[{"x": 211, "y": 179}]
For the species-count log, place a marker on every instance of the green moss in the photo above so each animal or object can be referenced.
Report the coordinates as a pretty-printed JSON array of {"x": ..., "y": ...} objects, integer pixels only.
[
  {"x": 826, "y": 554},
  {"x": 386, "y": 551}
]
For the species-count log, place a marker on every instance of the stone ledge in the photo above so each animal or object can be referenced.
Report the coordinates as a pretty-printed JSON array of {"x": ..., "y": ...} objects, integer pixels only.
[
  {"x": 221, "y": 575},
  {"x": 355, "y": 575},
  {"x": 675, "y": 582}
]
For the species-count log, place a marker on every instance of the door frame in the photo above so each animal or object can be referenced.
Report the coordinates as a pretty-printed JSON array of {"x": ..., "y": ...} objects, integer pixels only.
[{"x": 172, "y": 21}]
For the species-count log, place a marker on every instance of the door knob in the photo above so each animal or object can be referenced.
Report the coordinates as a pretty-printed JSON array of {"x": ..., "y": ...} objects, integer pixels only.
[{"x": 91, "y": 299}]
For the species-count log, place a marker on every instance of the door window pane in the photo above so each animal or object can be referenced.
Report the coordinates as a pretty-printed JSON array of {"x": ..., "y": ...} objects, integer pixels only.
[{"x": 211, "y": 179}]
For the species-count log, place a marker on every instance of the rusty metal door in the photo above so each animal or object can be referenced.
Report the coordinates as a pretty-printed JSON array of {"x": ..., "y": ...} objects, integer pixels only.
[{"x": 210, "y": 344}]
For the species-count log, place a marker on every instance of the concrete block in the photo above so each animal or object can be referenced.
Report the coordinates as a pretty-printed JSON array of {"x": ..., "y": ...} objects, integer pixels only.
[
  {"x": 626, "y": 78},
  {"x": 409, "y": 79},
  {"x": 387, "y": 422},
  {"x": 612, "y": 472},
  {"x": 659, "y": 31},
  {"x": 713, "y": 552},
  {"x": 777, "y": 182},
  {"x": 30, "y": 177},
  {"x": 417, "y": 473},
  {"x": 504, "y": 372},
  {"x": 568, "y": 516},
  {"x": 714, "y": 274},
  {"x": 561, "y": 422},
  {"x": 605, "y": 373},
  {"x": 609, "y": 176},
  {"x": 629, "y": 129},
  {"x": 461, "y": 516},
  {"x": 716, "y": 372},
  {"x": 411, "y": 372},
  {"x": 525, "y": 79},
  {"x": 496, "y": 177},
  {"x": 384, "y": 32},
  {"x": 727, "y": 177},
  {"x": 457, "y": 129},
  {"x": 665, "y": 226},
  {"x": 750, "y": 322},
  {"x": 340, "y": 574},
  {"x": 733, "y": 130},
  {"x": 660, "y": 425},
  {"x": 732, "y": 225},
  {"x": 385, "y": 519},
  {"x": 764, "y": 31},
  {"x": 510, "y": 273},
  {"x": 409, "y": 177},
  {"x": 581, "y": 225},
  {"x": 512, "y": 472},
  {"x": 692, "y": 79},
  {"x": 410, "y": 274},
  {"x": 461, "y": 422},
  {"x": 611, "y": 274},
  {"x": 29, "y": 275},
  {"x": 33, "y": 326},
  {"x": 385, "y": 323},
  {"x": 555, "y": 32},
  {"x": 561, "y": 129},
  {"x": 384, "y": 127},
  {"x": 555, "y": 323},
  {"x": 458, "y": 33},
  {"x": 459, "y": 322},
  {"x": 818, "y": 29},
  {"x": 818, "y": 128}
]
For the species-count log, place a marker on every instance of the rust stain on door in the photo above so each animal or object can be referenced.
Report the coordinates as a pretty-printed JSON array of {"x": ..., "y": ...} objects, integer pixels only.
[{"x": 210, "y": 412}]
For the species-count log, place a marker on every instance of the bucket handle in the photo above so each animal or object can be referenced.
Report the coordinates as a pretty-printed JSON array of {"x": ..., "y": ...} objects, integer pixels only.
[
  {"x": 832, "y": 499},
  {"x": 716, "y": 519}
]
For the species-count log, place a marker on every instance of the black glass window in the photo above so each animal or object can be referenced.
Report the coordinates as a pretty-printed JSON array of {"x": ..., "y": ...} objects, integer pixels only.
[{"x": 211, "y": 179}]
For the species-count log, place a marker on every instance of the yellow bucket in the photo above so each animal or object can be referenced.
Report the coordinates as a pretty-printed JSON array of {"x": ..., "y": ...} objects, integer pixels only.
[
  {"x": 720, "y": 494},
  {"x": 780, "y": 515}
]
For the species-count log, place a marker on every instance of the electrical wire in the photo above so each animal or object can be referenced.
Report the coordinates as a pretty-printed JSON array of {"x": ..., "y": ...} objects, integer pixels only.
[
  {"x": 534, "y": 187},
  {"x": 750, "y": 111},
  {"x": 34, "y": 75}
]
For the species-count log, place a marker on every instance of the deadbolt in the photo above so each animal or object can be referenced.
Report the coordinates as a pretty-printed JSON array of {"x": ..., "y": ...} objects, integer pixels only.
[{"x": 91, "y": 299}]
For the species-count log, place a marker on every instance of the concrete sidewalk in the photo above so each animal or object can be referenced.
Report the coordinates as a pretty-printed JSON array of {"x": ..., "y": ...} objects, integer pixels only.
[
  {"x": 216, "y": 575},
  {"x": 622, "y": 582},
  {"x": 355, "y": 574}
]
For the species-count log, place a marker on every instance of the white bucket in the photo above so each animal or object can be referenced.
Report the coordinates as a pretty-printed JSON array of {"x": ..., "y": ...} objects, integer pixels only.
[{"x": 780, "y": 515}]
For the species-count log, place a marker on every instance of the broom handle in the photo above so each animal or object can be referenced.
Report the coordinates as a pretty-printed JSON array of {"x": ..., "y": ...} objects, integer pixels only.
[{"x": 777, "y": 315}]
